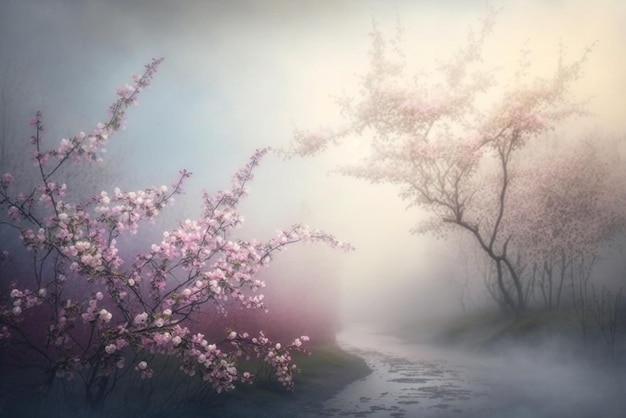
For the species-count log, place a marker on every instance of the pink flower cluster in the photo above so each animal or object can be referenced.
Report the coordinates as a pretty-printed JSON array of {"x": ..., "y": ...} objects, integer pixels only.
[{"x": 142, "y": 307}]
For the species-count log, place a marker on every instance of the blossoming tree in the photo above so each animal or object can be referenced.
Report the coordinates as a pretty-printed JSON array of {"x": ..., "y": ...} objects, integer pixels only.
[
  {"x": 566, "y": 210},
  {"x": 450, "y": 140},
  {"x": 83, "y": 310}
]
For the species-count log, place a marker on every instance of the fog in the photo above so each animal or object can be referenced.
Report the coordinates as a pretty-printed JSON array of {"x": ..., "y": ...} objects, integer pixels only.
[
  {"x": 241, "y": 75},
  {"x": 512, "y": 381}
]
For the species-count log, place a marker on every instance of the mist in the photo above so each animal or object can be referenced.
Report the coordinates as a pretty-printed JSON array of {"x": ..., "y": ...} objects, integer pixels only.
[{"x": 242, "y": 75}]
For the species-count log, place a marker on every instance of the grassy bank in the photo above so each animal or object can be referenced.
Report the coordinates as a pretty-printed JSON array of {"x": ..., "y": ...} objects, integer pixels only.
[
  {"x": 322, "y": 375},
  {"x": 483, "y": 330},
  {"x": 171, "y": 394},
  {"x": 486, "y": 329}
]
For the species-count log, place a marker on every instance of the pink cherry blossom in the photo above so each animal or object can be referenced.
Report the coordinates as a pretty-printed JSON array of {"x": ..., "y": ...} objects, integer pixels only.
[
  {"x": 452, "y": 143},
  {"x": 95, "y": 309}
]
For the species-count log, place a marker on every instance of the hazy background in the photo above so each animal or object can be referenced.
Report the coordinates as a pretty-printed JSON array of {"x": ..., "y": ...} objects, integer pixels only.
[{"x": 240, "y": 75}]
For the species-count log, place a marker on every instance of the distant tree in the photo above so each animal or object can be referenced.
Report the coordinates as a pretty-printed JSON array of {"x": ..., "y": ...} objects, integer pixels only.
[
  {"x": 450, "y": 140},
  {"x": 566, "y": 211}
]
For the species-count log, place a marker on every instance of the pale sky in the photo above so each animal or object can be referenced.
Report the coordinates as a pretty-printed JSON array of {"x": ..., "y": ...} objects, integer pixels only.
[{"x": 239, "y": 75}]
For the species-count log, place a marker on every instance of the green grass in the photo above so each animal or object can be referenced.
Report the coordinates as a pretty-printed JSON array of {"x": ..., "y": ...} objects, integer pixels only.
[
  {"x": 322, "y": 374},
  {"x": 538, "y": 325},
  {"x": 329, "y": 362},
  {"x": 487, "y": 328}
]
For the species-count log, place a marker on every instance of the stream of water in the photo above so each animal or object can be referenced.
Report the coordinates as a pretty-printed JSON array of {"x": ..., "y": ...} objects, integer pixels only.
[{"x": 424, "y": 380}]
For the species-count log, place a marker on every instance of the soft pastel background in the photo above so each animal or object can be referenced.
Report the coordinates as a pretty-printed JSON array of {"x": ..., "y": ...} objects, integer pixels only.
[{"x": 240, "y": 75}]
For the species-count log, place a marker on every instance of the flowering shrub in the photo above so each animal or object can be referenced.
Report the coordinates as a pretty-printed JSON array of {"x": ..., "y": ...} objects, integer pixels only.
[{"x": 83, "y": 309}]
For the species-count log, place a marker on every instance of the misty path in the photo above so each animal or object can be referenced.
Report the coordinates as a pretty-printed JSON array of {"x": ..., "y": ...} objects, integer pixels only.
[{"x": 424, "y": 380}]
